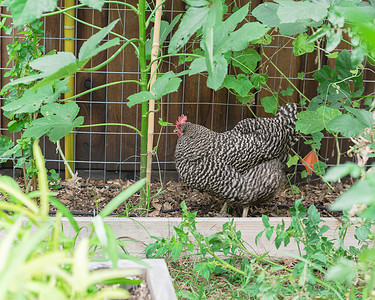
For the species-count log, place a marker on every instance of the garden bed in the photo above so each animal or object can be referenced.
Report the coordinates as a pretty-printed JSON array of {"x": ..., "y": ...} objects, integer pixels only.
[
  {"x": 90, "y": 197},
  {"x": 139, "y": 232},
  {"x": 157, "y": 283}
]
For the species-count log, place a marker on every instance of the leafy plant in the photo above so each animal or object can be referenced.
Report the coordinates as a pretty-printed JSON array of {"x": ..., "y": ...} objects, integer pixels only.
[
  {"x": 40, "y": 261},
  {"x": 224, "y": 254}
]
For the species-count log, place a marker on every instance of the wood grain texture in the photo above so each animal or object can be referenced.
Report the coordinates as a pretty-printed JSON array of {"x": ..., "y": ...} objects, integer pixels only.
[{"x": 137, "y": 232}]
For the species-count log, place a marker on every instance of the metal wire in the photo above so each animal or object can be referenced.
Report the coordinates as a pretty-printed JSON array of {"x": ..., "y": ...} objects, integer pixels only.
[{"x": 127, "y": 159}]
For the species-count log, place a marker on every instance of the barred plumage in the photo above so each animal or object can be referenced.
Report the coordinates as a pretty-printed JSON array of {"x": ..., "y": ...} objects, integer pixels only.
[{"x": 240, "y": 166}]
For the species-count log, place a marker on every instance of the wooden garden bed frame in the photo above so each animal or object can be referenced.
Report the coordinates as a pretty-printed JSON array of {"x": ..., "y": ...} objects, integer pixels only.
[
  {"x": 138, "y": 232},
  {"x": 156, "y": 276}
]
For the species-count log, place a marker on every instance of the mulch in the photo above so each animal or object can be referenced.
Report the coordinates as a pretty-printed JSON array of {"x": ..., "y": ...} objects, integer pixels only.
[{"x": 89, "y": 197}]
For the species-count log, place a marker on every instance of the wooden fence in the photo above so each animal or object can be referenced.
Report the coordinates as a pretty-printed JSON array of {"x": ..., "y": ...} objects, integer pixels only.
[{"x": 115, "y": 150}]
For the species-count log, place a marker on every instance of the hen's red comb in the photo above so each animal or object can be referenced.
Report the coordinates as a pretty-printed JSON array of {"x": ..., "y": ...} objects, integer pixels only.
[{"x": 181, "y": 119}]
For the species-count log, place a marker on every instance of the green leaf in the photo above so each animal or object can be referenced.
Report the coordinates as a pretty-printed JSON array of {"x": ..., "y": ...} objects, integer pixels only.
[
  {"x": 164, "y": 123},
  {"x": 270, "y": 103},
  {"x": 301, "y": 75},
  {"x": 241, "y": 85},
  {"x": 346, "y": 125},
  {"x": 258, "y": 80},
  {"x": 288, "y": 92},
  {"x": 58, "y": 121},
  {"x": 26, "y": 11},
  {"x": 291, "y": 11},
  {"x": 240, "y": 39},
  {"x": 192, "y": 20},
  {"x": 343, "y": 271},
  {"x": 91, "y": 47},
  {"x": 246, "y": 60},
  {"x": 362, "y": 192},
  {"x": 17, "y": 125},
  {"x": 309, "y": 122},
  {"x": 95, "y": 4},
  {"x": 47, "y": 65},
  {"x": 266, "y": 13},
  {"x": 5, "y": 144},
  {"x": 65, "y": 212},
  {"x": 176, "y": 251},
  {"x": 301, "y": 46},
  {"x": 293, "y": 160},
  {"x": 332, "y": 55},
  {"x": 122, "y": 197},
  {"x": 139, "y": 98},
  {"x": 165, "y": 30},
  {"x": 31, "y": 101},
  {"x": 320, "y": 168},
  {"x": 245, "y": 100},
  {"x": 344, "y": 66},
  {"x": 364, "y": 116},
  {"x": 219, "y": 72},
  {"x": 333, "y": 39},
  {"x": 198, "y": 66},
  {"x": 165, "y": 84},
  {"x": 314, "y": 121}
]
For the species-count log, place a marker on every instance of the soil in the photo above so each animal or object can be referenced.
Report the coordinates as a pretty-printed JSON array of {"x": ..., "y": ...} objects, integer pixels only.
[{"x": 88, "y": 197}]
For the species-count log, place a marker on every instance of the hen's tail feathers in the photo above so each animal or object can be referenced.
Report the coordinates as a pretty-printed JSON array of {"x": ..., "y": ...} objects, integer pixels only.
[{"x": 289, "y": 113}]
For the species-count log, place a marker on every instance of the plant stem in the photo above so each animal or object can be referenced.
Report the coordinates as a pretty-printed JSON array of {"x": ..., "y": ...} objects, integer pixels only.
[
  {"x": 143, "y": 70},
  {"x": 286, "y": 78},
  {"x": 99, "y": 28},
  {"x": 63, "y": 158},
  {"x": 42, "y": 176},
  {"x": 335, "y": 135},
  {"x": 111, "y": 124},
  {"x": 100, "y": 87},
  {"x": 111, "y": 58}
]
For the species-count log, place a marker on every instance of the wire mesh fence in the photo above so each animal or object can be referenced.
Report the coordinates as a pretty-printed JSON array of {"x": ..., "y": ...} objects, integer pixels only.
[{"x": 106, "y": 152}]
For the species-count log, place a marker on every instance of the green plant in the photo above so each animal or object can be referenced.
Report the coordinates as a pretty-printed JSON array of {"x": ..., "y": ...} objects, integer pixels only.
[
  {"x": 40, "y": 261},
  {"x": 220, "y": 44},
  {"x": 225, "y": 254}
]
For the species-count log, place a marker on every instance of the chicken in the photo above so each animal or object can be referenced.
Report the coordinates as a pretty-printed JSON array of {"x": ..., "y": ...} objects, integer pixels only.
[{"x": 240, "y": 166}]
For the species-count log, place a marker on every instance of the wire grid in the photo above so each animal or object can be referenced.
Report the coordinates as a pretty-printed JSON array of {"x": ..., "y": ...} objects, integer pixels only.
[{"x": 192, "y": 101}]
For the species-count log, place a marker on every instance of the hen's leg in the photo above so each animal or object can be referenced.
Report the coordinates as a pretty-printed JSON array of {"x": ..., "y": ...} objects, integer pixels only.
[
  {"x": 224, "y": 208},
  {"x": 245, "y": 211}
]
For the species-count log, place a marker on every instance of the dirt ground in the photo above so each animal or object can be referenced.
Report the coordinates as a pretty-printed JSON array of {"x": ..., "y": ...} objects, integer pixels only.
[{"x": 88, "y": 197}]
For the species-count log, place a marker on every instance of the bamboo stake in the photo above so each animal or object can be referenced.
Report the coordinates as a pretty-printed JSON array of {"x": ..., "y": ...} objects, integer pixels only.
[
  {"x": 151, "y": 104},
  {"x": 69, "y": 47}
]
